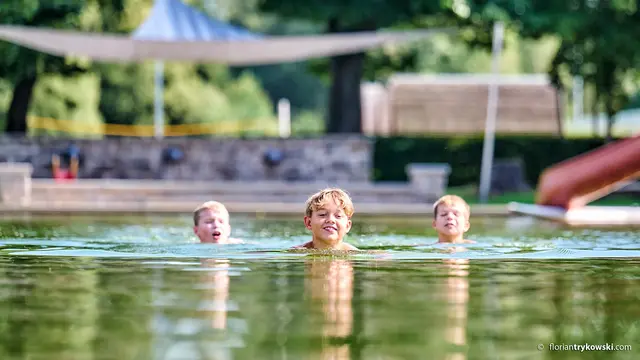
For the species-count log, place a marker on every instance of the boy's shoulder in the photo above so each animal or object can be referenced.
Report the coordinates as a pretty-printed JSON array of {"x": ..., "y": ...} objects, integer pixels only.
[
  {"x": 309, "y": 245},
  {"x": 346, "y": 246}
]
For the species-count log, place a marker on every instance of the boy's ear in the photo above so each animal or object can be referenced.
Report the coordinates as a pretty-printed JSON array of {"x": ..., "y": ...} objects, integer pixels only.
[
  {"x": 433, "y": 223},
  {"x": 467, "y": 226},
  {"x": 307, "y": 222},
  {"x": 349, "y": 223}
]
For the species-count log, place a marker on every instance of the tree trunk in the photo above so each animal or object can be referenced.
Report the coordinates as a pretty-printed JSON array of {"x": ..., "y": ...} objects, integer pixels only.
[
  {"x": 344, "y": 98},
  {"x": 610, "y": 117},
  {"x": 346, "y": 75},
  {"x": 559, "y": 111},
  {"x": 17, "y": 116},
  {"x": 595, "y": 110}
]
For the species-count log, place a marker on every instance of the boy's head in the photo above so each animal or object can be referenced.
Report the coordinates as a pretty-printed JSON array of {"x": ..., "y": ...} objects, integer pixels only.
[
  {"x": 451, "y": 217},
  {"x": 328, "y": 216},
  {"x": 211, "y": 222}
]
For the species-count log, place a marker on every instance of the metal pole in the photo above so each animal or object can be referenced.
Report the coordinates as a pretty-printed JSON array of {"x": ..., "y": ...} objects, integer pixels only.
[
  {"x": 492, "y": 109},
  {"x": 158, "y": 108},
  {"x": 578, "y": 96},
  {"x": 284, "y": 118}
]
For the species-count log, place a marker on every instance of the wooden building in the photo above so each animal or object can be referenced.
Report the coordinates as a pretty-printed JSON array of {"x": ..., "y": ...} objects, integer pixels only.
[{"x": 415, "y": 104}]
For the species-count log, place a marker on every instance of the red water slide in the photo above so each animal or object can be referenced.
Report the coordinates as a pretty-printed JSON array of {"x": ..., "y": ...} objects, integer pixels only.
[{"x": 575, "y": 182}]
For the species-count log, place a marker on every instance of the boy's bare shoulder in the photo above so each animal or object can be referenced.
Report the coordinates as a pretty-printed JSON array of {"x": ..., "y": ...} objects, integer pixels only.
[
  {"x": 346, "y": 246},
  {"x": 307, "y": 245}
]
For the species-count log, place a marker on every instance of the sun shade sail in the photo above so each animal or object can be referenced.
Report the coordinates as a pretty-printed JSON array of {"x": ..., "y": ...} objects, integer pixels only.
[{"x": 261, "y": 50}]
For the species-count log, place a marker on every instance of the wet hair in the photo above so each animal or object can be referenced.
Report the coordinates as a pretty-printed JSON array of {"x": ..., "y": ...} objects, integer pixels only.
[
  {"x": 451, "y": 200},
  {"x": 209, "y": 205},
  {"x": 321, "y": 198}
]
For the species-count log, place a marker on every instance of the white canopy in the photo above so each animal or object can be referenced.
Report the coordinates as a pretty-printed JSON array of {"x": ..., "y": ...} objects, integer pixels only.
[
  {"x": 257, "y": 51},
  {"x": 175, "y": 31}
]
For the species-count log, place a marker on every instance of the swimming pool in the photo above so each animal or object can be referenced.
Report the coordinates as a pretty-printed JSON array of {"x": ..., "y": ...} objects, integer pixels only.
[{"x": 143, "y": 288}]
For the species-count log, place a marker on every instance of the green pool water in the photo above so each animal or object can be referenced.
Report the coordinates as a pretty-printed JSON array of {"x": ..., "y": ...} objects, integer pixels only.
[{"x": 143, "y": 288}]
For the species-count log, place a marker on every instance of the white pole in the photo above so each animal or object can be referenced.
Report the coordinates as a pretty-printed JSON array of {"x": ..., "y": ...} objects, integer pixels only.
[
  {"x": 158, "y": 109},
  {"x": 492, "y": 109},
  {"x": 284, "y": 118},
  {"x": 578, "y": 98}
]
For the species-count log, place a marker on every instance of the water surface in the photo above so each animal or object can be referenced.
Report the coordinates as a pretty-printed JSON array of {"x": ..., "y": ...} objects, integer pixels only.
[{"x": 143, "y": 288}]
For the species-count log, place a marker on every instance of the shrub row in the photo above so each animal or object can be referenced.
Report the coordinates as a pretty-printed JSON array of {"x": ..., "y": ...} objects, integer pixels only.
[{"x": 464, "y": 155}]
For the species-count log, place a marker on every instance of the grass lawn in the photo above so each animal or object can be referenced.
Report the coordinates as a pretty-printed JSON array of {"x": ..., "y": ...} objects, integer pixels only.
[{"x": 470, "y": 194}]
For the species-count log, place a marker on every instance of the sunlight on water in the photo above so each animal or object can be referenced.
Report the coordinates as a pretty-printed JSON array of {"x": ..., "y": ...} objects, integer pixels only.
[
  {"x": 144, "y": 288},
  {"x": 520, "y": 238}
]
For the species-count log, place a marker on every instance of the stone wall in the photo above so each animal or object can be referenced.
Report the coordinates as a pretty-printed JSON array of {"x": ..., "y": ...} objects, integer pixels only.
[{"x": 341, "y": 158}]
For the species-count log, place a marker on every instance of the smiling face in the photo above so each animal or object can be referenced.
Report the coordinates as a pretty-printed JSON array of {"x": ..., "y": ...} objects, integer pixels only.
[
  {"x": 451, "y": 222},
  {"x": 329, "y": 223},
  {"x": 213, "y": 226}
]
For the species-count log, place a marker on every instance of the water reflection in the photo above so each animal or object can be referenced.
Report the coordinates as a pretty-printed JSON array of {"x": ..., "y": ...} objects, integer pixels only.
[
  {"x": 456, "y": 300},
  {"x": 217, "y": 290},
  {"x": 195, "y": 325},
  {"x": 306, "y": 307},
  {"x": 329, "y": 285}
]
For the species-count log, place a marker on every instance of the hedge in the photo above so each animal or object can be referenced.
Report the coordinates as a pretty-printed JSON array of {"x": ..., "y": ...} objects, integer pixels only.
[{"x": 464, "y": 155}]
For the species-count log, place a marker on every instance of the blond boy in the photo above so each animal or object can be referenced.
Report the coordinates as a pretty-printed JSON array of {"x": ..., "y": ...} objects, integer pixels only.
[
  {"x": 451, "y": 219},
  {"x": 211, "y": 223},
  {"x": 328, "y": 216}
]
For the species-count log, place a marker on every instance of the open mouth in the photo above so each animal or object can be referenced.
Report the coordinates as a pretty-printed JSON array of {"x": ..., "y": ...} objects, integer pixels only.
[{"x": 216, "y": 234}]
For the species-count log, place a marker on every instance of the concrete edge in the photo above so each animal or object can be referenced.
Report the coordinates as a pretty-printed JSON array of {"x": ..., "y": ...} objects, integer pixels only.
[{"x": 264, "y": 208}]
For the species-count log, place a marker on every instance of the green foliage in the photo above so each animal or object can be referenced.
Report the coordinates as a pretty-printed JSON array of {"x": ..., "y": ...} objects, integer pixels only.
[
  {"x": 355, "y": 15},
  {"x": 5, "y": 99},
  {"x": 464, "y": 155},
  {"x": 307, "y": 123},
  {"x": 126, "y": 93},
  {"x": 193, "y": 94},
  {"x": 68, "y": 98},
  {"x": 599, "y": 40},
  {"x": 293, "y": 81},
  {"x": 360, "y": 15},
  {"x": 17, "y": 62}
]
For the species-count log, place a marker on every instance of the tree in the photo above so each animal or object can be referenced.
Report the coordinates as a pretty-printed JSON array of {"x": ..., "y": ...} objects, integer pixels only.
[
  {"x": 194, "y": 93},
  {"x": 599, "y": 40},
  {"x": 22, "y": 66},
  {"x": 350, "y": 16},
  {"x": 121, "y": 93}
]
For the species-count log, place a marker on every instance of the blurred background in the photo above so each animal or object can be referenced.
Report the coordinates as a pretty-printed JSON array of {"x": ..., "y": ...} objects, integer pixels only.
[
  {"x": 590, "y": 44},
  {"x": 568, "y": 79}
]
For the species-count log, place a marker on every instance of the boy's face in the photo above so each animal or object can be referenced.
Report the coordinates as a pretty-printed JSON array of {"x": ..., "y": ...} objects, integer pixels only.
[
  {"x": 328, "y": 224},
  {"x": 451, "y": 221},
  {"x": 213, "y": 226}
]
